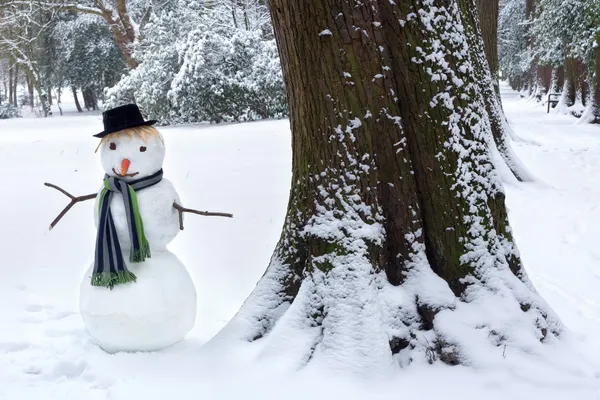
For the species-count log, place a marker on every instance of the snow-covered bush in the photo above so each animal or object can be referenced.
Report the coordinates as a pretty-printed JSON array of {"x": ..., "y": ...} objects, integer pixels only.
[
  {"x": 9, "y": 111},
  {"x": 198, "y": 63}
]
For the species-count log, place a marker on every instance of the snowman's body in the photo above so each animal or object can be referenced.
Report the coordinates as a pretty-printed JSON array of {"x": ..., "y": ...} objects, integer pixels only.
[
  {"x": 159, "y": 308},
  {"x": 161, "y": 220}
]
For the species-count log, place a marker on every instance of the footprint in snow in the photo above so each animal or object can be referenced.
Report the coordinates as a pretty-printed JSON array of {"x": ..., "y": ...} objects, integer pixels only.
[
  {"x": 32, "y": 370},
  {"x": 34, "y": 308},
  {"x": 6, "y": 348},
  {"x": 69, "y": 369}
]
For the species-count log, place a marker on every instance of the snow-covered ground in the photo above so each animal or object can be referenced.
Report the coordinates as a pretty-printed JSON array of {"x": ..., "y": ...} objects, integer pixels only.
[{"x": 245, "y": 169}]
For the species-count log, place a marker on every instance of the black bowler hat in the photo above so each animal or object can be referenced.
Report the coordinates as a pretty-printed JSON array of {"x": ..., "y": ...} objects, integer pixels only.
[{"x": 123, "y": 117}]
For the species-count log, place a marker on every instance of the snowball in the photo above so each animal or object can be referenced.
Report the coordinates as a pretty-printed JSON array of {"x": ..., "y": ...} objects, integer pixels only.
[{"x": 154, "y": 312}]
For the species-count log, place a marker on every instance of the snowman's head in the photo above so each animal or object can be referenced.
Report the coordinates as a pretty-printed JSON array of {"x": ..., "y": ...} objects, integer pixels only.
[{"x": 133, "y": 153}]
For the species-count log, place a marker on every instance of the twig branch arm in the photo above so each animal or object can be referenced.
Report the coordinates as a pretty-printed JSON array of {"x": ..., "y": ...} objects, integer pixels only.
[
  {"x": 74, "y": 200},
  {"x": 180, "y": 209}
]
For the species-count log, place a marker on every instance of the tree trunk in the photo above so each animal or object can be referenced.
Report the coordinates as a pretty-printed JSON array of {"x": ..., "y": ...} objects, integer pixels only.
[
  {"x": 38, "y": 88},
  {"x": 532, "y": 83},
  {"x": 5, "y": 87},
  {"x": 596, "y": 97},
  {"x": 30, "y": 91},
  {"x": 93, "y": 99},
  {"x": 488, "y": 11},
  {"x": 59, "y": 92},
  {"x": 10, "y": 85},
  {"x": 499, "y": 140},
  {"x": 569, "y": 89},
  {"x": 86, "y": 100},
  {"x": 122, "y": 30},
  {"x": 583, "y": 90},
  {"x": 396, "y": 220},
  {"x": 15, "y": 85},
  {"x": 90, "y": 99},
  {"x": 558, "y": 79},
  {"x": 545, "y": 78},
  {"x": 74, "y": 91}
]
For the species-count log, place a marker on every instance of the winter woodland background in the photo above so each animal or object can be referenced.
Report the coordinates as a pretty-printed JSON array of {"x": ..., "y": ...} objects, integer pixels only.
[
  {"x": 216, "y": 60},
  {"x": 553, "y": 46},
  {"x": 181, "y": 61}
]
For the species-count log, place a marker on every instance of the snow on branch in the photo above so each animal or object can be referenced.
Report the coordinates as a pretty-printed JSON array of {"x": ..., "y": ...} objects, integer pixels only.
[{"x": 53, "y": 5}]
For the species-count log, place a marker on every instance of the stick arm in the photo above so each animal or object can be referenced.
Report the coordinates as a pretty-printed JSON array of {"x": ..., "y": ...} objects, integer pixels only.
[
  {"x": 180, "y": 209},
  {"x": 74, "y": 200}
]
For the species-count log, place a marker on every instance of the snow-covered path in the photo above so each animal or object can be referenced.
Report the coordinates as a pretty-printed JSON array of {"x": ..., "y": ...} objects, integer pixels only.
[
  {"x": 245, "y": 169},
  {"x": 556, "y": 220}
]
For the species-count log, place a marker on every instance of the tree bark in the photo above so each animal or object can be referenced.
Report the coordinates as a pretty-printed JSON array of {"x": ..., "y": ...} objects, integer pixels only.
[
  {"x": 488, "y": 11},
  {"x": 122, "y": 30},
  {"x": 396, "y": 218},
  {"x": 76, "y": 98}
]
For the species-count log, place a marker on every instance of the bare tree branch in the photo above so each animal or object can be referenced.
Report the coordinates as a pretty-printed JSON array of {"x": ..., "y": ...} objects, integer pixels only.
[
  {"x": 145, "y": 18},
  {"x": 53, "y": 5}
]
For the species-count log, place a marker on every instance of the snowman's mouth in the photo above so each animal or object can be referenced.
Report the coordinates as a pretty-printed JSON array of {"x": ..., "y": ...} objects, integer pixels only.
[{"x": 126, "y": 175}]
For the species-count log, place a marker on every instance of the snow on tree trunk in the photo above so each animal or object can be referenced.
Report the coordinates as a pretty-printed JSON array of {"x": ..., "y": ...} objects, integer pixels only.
[
  {"x": 396, "y": 246},
  {"x": 568, "y": 96},
  {"x": 486, "y": 74}
]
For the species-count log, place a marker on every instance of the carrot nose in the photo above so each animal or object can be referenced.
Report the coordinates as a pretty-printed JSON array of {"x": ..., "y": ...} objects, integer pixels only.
[{"x": 125, "y": 166}]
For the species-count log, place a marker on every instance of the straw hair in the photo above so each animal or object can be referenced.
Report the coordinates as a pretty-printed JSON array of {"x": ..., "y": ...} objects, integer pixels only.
[{"x": 145, "y": 132}]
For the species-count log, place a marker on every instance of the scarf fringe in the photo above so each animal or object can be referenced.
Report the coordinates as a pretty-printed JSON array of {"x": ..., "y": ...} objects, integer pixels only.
[
  {"x": 140, "y": 255},
  {"x": 111, "y": 279}
]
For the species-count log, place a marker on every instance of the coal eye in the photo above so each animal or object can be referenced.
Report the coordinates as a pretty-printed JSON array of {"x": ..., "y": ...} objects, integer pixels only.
[
  {"x": 112, "y": 146},
  {"x": 142, "y": 149}
]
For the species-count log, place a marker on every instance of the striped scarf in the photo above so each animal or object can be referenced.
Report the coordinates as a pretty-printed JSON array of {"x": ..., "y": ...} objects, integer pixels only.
[{"x": 109, "y": 266}]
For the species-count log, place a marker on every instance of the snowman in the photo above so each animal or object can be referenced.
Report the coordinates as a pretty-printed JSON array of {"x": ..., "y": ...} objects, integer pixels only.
[{"x": 136, "y": 295}]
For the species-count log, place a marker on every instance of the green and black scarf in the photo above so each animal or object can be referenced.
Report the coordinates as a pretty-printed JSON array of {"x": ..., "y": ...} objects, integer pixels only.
[{"x": 109, "y": 266}]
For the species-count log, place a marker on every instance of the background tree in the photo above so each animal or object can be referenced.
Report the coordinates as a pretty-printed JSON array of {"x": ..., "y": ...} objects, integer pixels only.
[
  {"x": 22, "y": 33},
  {"x": 552, "y": 45},
  {"x": 396, "y": 240},
  {"x": 123, "y": 17},
  {"x": 206, "y": 62},
  {"x": 488, "y": 12},
  {"x": 484, "y": 24},
  {"x": 83, "y": 56}
]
